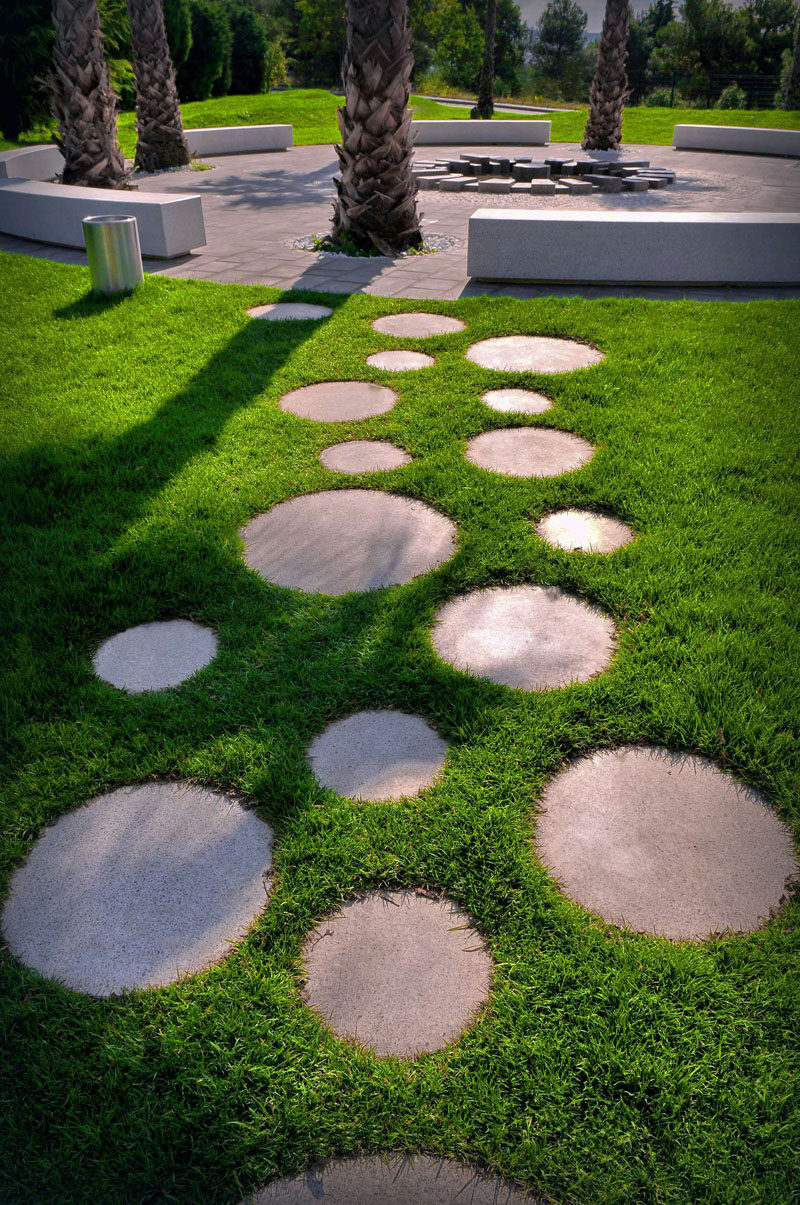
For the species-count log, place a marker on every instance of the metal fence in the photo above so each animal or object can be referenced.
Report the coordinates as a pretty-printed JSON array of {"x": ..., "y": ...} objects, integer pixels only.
[{"x": 703, "y": 92}]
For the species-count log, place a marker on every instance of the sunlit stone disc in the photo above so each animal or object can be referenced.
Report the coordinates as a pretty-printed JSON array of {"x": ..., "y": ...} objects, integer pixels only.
[
  {"x": 363, "y": 456},
  {"x": 339, "y": 401},
  {"x": 584, "y": 531},
  {"x": 516, "y": 401},
  {"x": 297, "y": 311},
  {"x": 529, "y": 452},
  {"x": 417, "y": 326},
  {"x": 155, "y": 656},
  {"x": 400, "y": 361},
  {"x": 378, "y": 755},
  {"x": 533, "y": 353}
]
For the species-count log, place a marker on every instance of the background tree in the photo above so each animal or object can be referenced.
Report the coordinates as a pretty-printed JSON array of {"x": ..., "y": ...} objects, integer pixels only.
[
  {"x": 789, "y": 92},
  {"x": 178, "y": 22},
  {"x": 320, "y": 41},
  {"x": 208, "y": 61},
  {"x": 248, "y": 51},
  {"x": 485, "y": 106},
  {"x": 26, "y": 48},
  {"x": 609, "y": 89},
  {"x": 556, "y": 47},
  {"x": 160, "y": 142}
]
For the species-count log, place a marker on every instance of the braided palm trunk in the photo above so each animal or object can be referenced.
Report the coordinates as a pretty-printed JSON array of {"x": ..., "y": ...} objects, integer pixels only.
[
  {"x": 376, "y": 204},
  {"x": 82, "y": 98},
  {"x": 609, "y": 89},
  {"x": 160, "y": 141},
  {"x": 485, "y": 106}
]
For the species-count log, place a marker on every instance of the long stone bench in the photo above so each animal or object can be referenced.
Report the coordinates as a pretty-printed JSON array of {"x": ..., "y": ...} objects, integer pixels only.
[
  {"x": 239, "y": 140},
  {"x": 623, "y": 247},
  {"x": 743, "y": 140},
  {"x": 169, "y": 225},
  {"x": 31, "y": 162},
  {"x": 481, "y": 133}
]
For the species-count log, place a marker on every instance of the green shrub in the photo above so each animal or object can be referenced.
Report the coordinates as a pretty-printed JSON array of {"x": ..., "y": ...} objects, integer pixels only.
[
  {"x": 25, "y": 53},
  {"x": 208, "y": 64},
  {"x": 178, "y": 20},
  {"x": 123, "y": 82},
  {"x": 732, "y": 97},
  {"x": 249, "y": 52}
]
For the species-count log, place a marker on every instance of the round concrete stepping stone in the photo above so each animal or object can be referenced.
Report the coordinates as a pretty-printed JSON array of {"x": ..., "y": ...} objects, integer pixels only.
[
  {"x": 664, "y": 843},
  {"x": 417, "y": 326},
  {"x": 529, "y": 452},
  {"x": 155, "y": 656},
  {"x": 530, "y": 637},
  {"x": 342, "y": 540},
  {"x": 584, "y": 531},
  {"x": 533, "y": 353},
  {"x": 378, "y": 755},
  {"x": 396, "y": 1179},
  {"x": 400, "y": 972},
  {"x": 400, "y": 361},
  {"x": 297, "y": 311},
  {"x": 139, "y": 887},
  {"x": 516, "y": 401},
  {"x": 363, "y": 456},
  {"x": 339, "y": 401}
]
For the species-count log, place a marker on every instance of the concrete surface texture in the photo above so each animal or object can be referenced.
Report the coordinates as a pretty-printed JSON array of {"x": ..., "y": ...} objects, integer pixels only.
[
  {"x": 466, "y": 132},
  {"x": 529, "y": 637},
  {"x": 155, "y": 656},
  {"x": 516, "y": 401},
  {"x": 664, "y": 843},
  {"x": 401, "y": 972},
  {"x": 584, "y": 531},
  {"x": 378, "y": 755},
  {"x": 287, "y": 311},
  {"x": 233, "y": 140},
  {"x": 529, "y": 452},
  {"x": 533, "y": 353},
  {"x": 363, "y": 456},
  {"x": 339, "y": 401},
  {"x": 342, "y": 540},
  {"x": 139, "y": 887},
  {"x": 31, "y": 163},
  {"x": 752, "y": 140},
  {"x": 417, "y": 326},
  {"x": 400, "y": 361}
]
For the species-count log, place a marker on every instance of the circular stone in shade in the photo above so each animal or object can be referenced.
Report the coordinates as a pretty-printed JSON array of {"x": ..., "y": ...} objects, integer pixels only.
[
  {"x": 339, "y": 401},
  {"x": 529, "y": 452},
  {"x": 139, "y": 887},
  {"x": 664, "y": 843},
  {"x": 297, "y": 311},
  {"x": 530, "y": 637},
  {"x": 533, "y": 353},
  {"x": 363, "y": 456},
  {"x": 400, "y": 361},
  {"x": 343, "y": 540},
  {"x": 584, "y": 531},
  {"x": 155, "y": 656},
  {"x": 399, "y": 972},
  {"x": 417, "y": 326},
  {"x": 378, "y": 755},
  {"x": 516, "y": 401}
]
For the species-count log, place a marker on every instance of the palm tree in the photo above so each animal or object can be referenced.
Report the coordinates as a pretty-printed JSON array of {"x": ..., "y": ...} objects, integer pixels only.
[
  {"x": 160, "y": 140},
  {"x": 82, "y": 98},
  {"x": 485, "y": 106},
  {"x": 376, "y": 204},
  {"x": 609, "y": 89}
]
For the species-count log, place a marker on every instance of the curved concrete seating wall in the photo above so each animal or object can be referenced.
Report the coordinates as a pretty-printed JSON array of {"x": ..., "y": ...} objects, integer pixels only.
[
  {"x": 239, "y": 140},
  {"x": 746, "y": 140},
  {"x": 480, "y": 133},
  {"x": 31, "y": 163}
]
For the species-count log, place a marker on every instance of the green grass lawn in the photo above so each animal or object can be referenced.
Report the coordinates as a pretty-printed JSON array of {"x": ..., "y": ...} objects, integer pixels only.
[{"x": 138, "y": 437}]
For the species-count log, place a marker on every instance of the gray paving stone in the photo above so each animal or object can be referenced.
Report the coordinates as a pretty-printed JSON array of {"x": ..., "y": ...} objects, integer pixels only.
[
  {"x": 543, "y": 187},
  {"x": 533, "y": 353},
  {"x": 529, "y": 452},
  {"x": 417, "y": 326},
  {"x": 283, "y": 311},
  {"x": 378, "y": 755},
  {"x": 605, "y": 183},
  {"x": 574, "y": 185},
  {"x": 155, "y": 656},
  {"x": 494, "y": 184},
  {"x": 516, "y": 401},
  {"x": 454, "y": 183},
  {"x": 635, "y": 184},
  {"x": 400, "y": 361},
  {"x": 584, "y": 531},
  {"x": 339, "y": 401},
  {"x": 363, "y": 456}
]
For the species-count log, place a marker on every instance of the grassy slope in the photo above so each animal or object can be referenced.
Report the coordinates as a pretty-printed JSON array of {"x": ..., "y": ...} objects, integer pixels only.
[{"x": 610, "y": 1068}]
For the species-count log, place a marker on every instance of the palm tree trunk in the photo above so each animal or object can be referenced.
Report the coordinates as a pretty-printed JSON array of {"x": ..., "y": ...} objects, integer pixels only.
[
  {"x": 609, "y": 89},
  {"x": 485, "y": 106},
  {"x": 376, "y": 204},
  {"x": 83, "y": 100},
  {"x": 160, "y": 143}
]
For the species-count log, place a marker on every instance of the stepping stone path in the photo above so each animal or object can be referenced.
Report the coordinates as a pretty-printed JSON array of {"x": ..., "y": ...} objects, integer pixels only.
[
  {"x": 139, "y": 887},
  {"x": 417, "y": 326},
  {"x": 293, "y": 311},
  {"x": 363, "y": 456},
  {"x": 533, "y": 353},
  {"x": 664, "y": 843},
  {"x": 343, "y": 540},
  {"x": 339, "y": 401},
  {"x": 516, "y": 401},
  {"x": 400, "y": 972},
  {"x": 529, "y": 637},
  {"x": 378, "y": 755},
  {"x": 400, "y": 361},
  {"x": 529, "y": 452},
  {"x": 584, "y": 531},
  {"x": 155, "y": 656}
]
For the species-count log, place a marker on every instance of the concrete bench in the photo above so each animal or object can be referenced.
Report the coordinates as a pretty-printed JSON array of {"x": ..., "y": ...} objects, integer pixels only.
[
  {"x": 742, "y": 140},
  {"x": 169, "y": 225},
  {"x": 623, "y": 247},
  {"x": 31, "y": 163},
  {"x": 480, "y": 133},
  {"x": 239, "y": 140}
]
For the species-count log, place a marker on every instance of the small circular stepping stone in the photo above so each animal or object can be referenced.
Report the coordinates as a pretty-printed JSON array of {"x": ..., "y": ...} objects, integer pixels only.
[
  {"x": 533, "y": 353},
  {"x": 296, "y": 311},
  {"x": 400, "y": 972},
  {"x": 339, "y": 401},
  {"x": 516, "y": 401},
  {"x": 363, "y": 456},
  {"x": 584, "y": 531},
  {"x": 378, "y": 755},
  {"x": 342, "y": 540},
  {"x": 155, "y": 656},
  {"x": 400, "y": 361},
  {"x": 664, "y": 843},
  {"x": 139, "y": 887},
  {"x": 417, "y": 326},
  {"x": 529, "y": 452},
  {"x": 530, "y": 637}
]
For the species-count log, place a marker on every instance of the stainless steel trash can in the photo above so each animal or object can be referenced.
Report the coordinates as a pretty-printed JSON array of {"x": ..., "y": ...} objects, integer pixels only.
[{"x": 115, "y": 257}]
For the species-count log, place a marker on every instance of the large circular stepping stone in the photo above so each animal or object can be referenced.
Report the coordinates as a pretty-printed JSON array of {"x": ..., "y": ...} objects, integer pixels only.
[
  {"x": 584, "y": 531},
  {"x": 343, "y": 540},
  {"x": 339, "y": 401},
  {"x": 378, "y": 755},
  {"x": 516, "y": 401},
  {"x": 529, "y": 452},
  {"x": 155, "y": 656},
  {"x": 417, "y": 326},
  {"x": 296, "y": 311},
  {"x": 363, "y": 456},
  {"x": 530, "y": 637},
  {"x": 139, "y": 887},
  {"x": 664, "y": 843},
  {"x": 400, "y": 972},
  {"x": 533, "y": 353},
  {"x": 391, "y": 1180},
  {"x": 400, "y": 361}
]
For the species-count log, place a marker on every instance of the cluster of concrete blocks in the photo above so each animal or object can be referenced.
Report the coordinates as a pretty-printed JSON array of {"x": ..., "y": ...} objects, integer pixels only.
[{"x": 487, "y": 173}]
